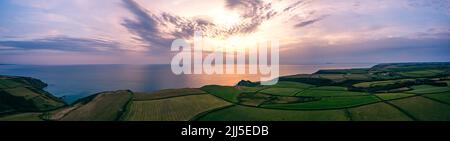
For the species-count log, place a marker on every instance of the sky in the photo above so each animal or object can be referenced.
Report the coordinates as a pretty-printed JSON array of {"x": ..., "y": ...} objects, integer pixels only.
[{"x": 141, "y": 31}]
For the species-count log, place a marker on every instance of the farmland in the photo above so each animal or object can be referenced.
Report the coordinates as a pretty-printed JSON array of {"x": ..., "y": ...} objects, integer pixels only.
[
  {"x": 443, "y": 97},
  {"x": 327, "y": 103},
  {"x": 377, "y": 112},
  {"x": 328, "y": 93},
  {"x": 385, "y": 92},
  {"x": 281, "y": 91},
  {"x": 173, "y": 109},
  {"x": 391, "y": 96},
  {"x": 424, "y": 109},
  {"x": 241, "y": 113},
  {"x": 103, "y": 107}
]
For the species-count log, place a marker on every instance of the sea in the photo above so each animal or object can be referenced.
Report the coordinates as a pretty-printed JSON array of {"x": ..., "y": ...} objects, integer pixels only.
[{"x": 76, "y": 81}]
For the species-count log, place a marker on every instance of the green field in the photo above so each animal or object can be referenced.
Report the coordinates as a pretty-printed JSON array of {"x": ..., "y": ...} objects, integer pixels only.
[
  {"x": 443, "y": 97},
  {"x": 330, "y": 88},
  {"x": 357, "y": 76},
  {"x": 167, "y": 93},
  {"x": 106, "y": 106},
  {"x": 249, "y": 89},
  {"x": 281, "y": 91},
  {"x": 225, "y": 92},
  {"x": 424, "y": 109},
  {"x": 172, "y": 109},
  {"x": 4, "y": 83},
  {"x": 334, "y": 77},
  {"x": 328, "y": 103},
  {"x": 421, "y": 73},
  {"x": 380, "y": 83},
  {"x": 328, "y": 93},
  {"x": 40, "y": 102},
  {"x": 287, "y": 84},
  {"x": 427, "y": 89},
  {"x": 391, "y": 96},
  {"x": 242, "y": 113},
  {"x": 377, "y": 112}
]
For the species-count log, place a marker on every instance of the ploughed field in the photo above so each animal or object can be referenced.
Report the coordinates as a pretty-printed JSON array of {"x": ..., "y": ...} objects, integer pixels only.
[{"x": 385, "y": 92}]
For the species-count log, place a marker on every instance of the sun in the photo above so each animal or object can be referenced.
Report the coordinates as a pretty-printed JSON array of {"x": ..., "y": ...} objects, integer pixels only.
[{"x": 227, "y": 19}]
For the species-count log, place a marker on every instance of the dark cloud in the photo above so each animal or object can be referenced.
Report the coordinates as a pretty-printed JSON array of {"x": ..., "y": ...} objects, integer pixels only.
[
  {"x": 62, "y": 43},
  {"x": 293, "y": 6},
  {"x": 309, "y": 22}
]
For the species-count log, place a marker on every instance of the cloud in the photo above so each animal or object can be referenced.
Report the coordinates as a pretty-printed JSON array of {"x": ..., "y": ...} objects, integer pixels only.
[
  {"x": 293, "y": 6},
  {"x": 159, "y": 29},
  {"x": 309, "y": 22},
  {"x": 61, "y": 43}
]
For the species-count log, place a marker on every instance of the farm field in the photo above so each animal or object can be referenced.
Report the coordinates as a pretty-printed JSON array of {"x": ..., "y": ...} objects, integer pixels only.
[
  {"x": 424, "y": 109},
  {"x": 166, "y": 93},
  {"x": 329, "y": 88},
  {"x": 225, "y": 92},
  {"x": 327, "y": 103},
  {"x": 444, "y": 97},
  {"x": 380, "y": 83},
  {"x": 288, "y": 84},
  {"x": 391, "y": 96},
  {"x": 421, "y": 73},
  {"x": 242, "y": 113},
  {"x": 328, "y": 93},
  {"x": 427, "y": 89},
  {"x": 377, "y": 112},
  {"x": 172, "y": 109},
  {"x": 281, "y": 91},
  {"x": 103, "y": 107}
]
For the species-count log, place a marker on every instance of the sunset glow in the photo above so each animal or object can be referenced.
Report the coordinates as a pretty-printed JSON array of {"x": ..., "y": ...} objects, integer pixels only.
[{"x": 36, "y": 31}]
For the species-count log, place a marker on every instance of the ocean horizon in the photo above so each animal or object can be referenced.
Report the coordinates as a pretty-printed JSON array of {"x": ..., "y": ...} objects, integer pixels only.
[{"x": 76, "y": 81}]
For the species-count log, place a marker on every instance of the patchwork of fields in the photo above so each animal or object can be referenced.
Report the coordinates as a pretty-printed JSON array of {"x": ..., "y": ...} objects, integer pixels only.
[{"x": 396, "y": 92}]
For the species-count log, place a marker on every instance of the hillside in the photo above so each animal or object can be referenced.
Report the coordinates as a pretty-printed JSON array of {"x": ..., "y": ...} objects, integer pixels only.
[{"x": 24, "y": 94}]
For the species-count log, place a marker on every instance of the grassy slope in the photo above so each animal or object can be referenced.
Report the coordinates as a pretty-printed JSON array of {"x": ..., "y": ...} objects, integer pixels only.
[
  {"x": 327, "y": 103},
  {"x": 22, "y": 117},
  {"x": 425, "y": 89},
  {"x": 281, "y": 91},
  {"x": 327, "y": 93},
  {"x": 242, "y": 113},
  {"x": 225, "y": 92},
  {"x": 424, "y": 109},
  {"x": 377, "y": 112},
  {"x": 444, "y": 97},
  {"x": 105, "y": 106},
  {"x": 166, "y": 93},
  {"x": 391, "y": 96},
  {"x": 181, "y": 108},
  {"x": 24, "y": 94}
]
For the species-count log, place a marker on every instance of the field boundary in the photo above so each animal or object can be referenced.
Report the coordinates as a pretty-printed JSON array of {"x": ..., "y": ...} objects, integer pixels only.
[
  {"x": 402, "y": 110},
  {"x": 398, "y": 108},
  {"x": 203, "y": 114},
  {"x": 348, "y": 114},
  {"x": 125, "y": 109},
  {"x": 435, "y": 100},
  {"x": 171, "y": 96}
]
